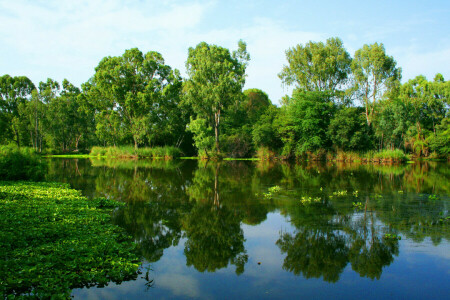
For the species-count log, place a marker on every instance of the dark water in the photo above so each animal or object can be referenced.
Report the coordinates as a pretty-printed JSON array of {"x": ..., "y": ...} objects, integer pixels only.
[{"x": 260, "y": 230}]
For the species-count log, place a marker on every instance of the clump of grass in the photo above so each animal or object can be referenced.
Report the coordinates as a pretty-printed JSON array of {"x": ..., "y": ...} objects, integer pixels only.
[
  {"x": 348, "y": 156},
  {"x": 386, "y": 155},
  {"x": 167, "y": 152},
  {"x": 98, "y": 151},
  {"x": 53, "y": 239},
  {"x": 20, "y": 164}
]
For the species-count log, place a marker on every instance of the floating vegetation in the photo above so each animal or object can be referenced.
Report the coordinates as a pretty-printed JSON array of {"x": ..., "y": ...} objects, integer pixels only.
[
  {"x": 391, "y": 236},
  {"x": 358, "y": 205},
  {"x": 355, "y": 193},
  {"x": 433, "y": 197},
  {"x": 272, "y": 190},
  {"x": 340, "y": 193},
  {"x": 400, "y": 192},
  {"x": 310, "y": 200},
  {"x": 53, "y": 239}
]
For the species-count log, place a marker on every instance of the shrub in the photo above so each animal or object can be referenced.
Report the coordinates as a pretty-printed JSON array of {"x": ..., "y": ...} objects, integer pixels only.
[
  {"x": 20, "y": 164},
  {"x": 387, "y": 155},
  {"x": 172, "y": 152},
  {"x": 264, "y": 153}
]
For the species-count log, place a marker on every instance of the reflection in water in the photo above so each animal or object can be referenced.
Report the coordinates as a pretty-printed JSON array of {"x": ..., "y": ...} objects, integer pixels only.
[{"x": 201, "y": 207}]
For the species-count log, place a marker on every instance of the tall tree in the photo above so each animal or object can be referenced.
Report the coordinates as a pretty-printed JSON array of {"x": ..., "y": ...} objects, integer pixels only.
[
  {"x": 13, "y": 92},
  {"x": 317, "y": 66},
  {"x": 136, "y": 86},
  {"x": 374, "y": 73},
  {"x": 216, "y": 78}
]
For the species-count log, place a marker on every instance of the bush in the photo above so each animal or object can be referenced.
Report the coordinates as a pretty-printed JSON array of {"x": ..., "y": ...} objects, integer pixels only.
[
  {"x": 21, "y": 164},
  {"x": 264, "y": 153}
]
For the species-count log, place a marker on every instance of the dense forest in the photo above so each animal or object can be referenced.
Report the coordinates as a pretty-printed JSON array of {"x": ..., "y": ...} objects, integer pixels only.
[{"x": 339, "y": 104}]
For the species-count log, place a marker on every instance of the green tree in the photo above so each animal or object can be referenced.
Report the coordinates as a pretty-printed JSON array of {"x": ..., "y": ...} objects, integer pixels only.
[
  {"x": 374, "y": 74},
  {"x": 306, "y": 121},
  {"x": 317, "y": 66},
  {"x": 137, "y": 87},
  {"x": 216, "y": 78},
  {"x": 13, "y": 92},
  {"x": 348, "y": 130}
]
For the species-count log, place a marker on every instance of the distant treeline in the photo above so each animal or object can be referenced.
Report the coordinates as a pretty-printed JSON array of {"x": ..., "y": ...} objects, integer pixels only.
[{"x": 339, "y": 104}]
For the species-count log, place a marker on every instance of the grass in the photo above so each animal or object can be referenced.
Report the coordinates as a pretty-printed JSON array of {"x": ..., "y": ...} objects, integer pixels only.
[
  {"x": 167, "y": 152},
  {"x": 70, "y": 155},
  {"x": 53, "y": 239},
  {"x": 20, "y": 164}
]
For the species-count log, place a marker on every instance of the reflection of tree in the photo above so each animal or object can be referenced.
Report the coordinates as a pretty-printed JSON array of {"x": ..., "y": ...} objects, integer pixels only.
[
  {"x": 314, "y": 253},
  {"x": 154, "y": 226},
  {"x": 214, "y": 238},
  {"x": 156, "y": 202},
  {"x": 328, "y": 238},
  {"x": 368, "y": 260},
  {"x": 213, "y": 230}
]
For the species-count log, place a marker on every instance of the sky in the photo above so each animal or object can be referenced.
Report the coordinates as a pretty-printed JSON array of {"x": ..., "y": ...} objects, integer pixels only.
[{"x": 67, "y": 39}]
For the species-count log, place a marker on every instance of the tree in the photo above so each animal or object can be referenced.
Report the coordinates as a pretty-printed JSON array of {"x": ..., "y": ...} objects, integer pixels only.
[
  {"x": 317, "y": 66},
  {"x": 306, "y": 120},
  {"x": 13, "y": 92},
  {"x": 349, "y": 131},
  {"x": 216, "y": 78},
  {"x": 374, "y": 74},
  {"x": 255, "y": 103},
  {"x": 137, "y": 87}
]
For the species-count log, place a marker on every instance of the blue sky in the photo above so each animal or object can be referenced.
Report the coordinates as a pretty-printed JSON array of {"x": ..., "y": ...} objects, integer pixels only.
[{"x": 67, "y": 39}]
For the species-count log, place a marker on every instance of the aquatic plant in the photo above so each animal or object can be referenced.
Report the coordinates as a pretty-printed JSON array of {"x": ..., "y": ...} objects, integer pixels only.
[
  {"x": 340, "y": 193},
  {"x": 310, "y": 200},
  {"x": 391, "y": 236},
  {"x": 433, "y": 197},
  {"x": 272, "y": 190},
  {"x": 53, "y": 239},
  {"x": 357, "y": 205}
]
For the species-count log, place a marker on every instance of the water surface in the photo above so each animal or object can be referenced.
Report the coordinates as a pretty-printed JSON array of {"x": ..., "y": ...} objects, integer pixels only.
[{"x": 263, "y": 230}]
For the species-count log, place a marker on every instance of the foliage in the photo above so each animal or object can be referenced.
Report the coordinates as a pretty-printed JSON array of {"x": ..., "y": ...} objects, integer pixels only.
[
  {"x": 216, "y": 78},
  {"x": 340, "y": 107},
  {"x": 141, "y": 90},
  {"x": 317, "y": 66},
  {"x": 348, "y": 130},
  {"x": 20, "y": 164},
  {"x": 375, "y": 73},
  {"x": 53, "y": 239},
  {"x": 307, "y": 116}
]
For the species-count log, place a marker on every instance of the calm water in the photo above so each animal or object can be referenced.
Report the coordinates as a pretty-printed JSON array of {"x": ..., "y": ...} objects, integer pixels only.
[{"x": 260, "y": 230}]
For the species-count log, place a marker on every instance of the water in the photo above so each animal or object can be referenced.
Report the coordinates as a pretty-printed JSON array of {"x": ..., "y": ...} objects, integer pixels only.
[{"x": 263, "y": 230}]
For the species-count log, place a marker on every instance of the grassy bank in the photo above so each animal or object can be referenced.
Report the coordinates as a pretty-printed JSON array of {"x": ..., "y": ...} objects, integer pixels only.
[
  {"x": 53, "y": 239},
  {"x": 383, "y": 156},
  {"x": 20, "y": 164},
  {"x": 130, "y": 152}
]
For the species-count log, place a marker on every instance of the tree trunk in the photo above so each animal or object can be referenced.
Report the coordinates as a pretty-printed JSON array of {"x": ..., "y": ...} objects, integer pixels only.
[{"x": 216, "y": 125}]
